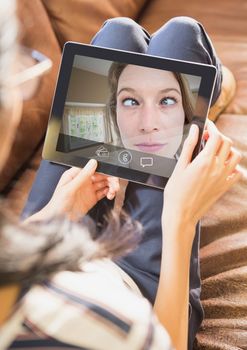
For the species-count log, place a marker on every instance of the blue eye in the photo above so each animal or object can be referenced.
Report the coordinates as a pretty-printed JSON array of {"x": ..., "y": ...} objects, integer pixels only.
[
  {"x": 168, "y": 101},
  {"x": 128, "y": 102}
]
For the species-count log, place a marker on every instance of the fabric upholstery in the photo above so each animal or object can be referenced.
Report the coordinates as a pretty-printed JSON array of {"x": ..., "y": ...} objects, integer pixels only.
[
  {"x": 224, "y": 257},
  {"x": 35, "y": 33},
  {"x": 233, "y": 53},
  {"x": 79, "y": 20},
  {"x": 228, "y": 91}
]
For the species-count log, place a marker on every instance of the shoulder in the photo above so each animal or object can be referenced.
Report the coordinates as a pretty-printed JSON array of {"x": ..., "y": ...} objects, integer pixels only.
[{"x": 94, "y": 309}]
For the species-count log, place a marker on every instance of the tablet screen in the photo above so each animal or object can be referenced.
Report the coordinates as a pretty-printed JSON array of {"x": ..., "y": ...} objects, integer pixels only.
[{"x": 131, "y": 112}]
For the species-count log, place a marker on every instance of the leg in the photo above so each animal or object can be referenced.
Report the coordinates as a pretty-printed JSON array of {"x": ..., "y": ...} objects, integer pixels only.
[
  {"x": 143, "y": 265},
  {"x": 120, "y": 33},
  {"x": 189, "y": 42},
  {"x": 145, "y": 204}
]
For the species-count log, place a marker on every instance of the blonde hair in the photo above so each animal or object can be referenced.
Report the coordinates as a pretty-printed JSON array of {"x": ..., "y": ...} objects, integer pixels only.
[{"x": 8, "y": 45}]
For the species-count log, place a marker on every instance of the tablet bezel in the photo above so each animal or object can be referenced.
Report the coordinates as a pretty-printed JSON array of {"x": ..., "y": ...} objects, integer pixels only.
[{"x": 206, "y": 72}]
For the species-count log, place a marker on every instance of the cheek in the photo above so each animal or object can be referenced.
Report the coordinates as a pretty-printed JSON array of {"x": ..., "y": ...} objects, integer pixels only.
[
  {"x": 179, "y": 116},
  {"x": 174, "y": 119},
  {"x": 177, "y": 128},
  {"x": 123, "y": 123}
]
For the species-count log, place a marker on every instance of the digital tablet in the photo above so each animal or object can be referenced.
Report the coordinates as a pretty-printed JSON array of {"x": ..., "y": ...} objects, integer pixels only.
[{"x": 129, "y": 111}]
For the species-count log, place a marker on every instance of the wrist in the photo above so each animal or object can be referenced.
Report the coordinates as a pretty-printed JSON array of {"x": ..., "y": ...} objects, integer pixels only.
[
  {"x": 42, "y": 215},
  {"x": 177, "y": 229}
]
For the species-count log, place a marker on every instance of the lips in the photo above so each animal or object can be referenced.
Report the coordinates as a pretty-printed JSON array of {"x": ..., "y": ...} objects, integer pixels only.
[{"x": 150, "y": 147}]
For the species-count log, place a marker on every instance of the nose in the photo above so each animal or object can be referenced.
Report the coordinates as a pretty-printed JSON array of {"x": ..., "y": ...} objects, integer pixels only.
[{"x": 148, "y": 119}]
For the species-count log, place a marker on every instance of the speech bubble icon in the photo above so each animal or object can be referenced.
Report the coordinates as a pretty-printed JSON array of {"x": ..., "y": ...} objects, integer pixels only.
[{"x": 146, "y": 161}]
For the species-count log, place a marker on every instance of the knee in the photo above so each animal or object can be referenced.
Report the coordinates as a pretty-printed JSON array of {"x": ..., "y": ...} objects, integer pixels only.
[
  {"x": 123, "y": 24},
  {"x": 184, "y": 24},
  {"x": 122, "y": 33}
]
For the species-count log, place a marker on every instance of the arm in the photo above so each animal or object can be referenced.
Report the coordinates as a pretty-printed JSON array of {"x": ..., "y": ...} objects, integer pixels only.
[
  {"x": 172, "y": 299},
  {"x": 192, "y": 189},
  {"x": 77, "y": 192}
]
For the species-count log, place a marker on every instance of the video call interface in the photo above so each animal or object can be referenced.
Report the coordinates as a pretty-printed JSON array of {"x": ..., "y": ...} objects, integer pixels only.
[{"x": 132, "y": 116}]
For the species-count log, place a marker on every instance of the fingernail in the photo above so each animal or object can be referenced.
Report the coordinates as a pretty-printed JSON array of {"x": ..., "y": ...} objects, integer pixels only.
[
  {"x": 92, "y": 163},
  {"x": 110, "y": 196},
  {"x": 193, "y": 129}
]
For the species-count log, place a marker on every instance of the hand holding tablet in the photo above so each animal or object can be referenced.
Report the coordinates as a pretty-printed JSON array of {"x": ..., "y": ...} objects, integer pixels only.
[{"x": 129, "y": 111}]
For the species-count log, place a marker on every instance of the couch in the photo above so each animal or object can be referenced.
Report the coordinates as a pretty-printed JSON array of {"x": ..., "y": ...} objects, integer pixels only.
[{"x": 46, "y": 26}]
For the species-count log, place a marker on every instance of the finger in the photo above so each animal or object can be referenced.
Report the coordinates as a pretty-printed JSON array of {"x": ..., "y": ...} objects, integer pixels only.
[
  {"x": 213, "y": 143},
  {"x": 114, "y": 187},
  {"x": 113, "y": 183},
  {"x": 110, "y": 194},
  {"x": 233, "y": 161},
  {"x": 88, "y": 170},
  {"x": 101, "y": 194},
  {"x": 234, "y": 177},
  {"x": 90, "y": 167},
  {"x": 100, "y": 185},
  {"x": 84, "y": 175},
  {"x": 99, "y": 177},
  {"x": 69, "y": 175},
  {"x": 225, "y": 150},
  {"x": 188, "y": 147}
]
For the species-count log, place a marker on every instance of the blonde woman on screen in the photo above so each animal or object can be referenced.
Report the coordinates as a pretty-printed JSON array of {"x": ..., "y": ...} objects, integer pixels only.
[{"x": 149, "y": 107}]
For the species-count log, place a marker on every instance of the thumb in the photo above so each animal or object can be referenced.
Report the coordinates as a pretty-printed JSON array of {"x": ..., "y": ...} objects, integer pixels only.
[
  {"x": 90, "y": 167},
  {"x": 86, "y": 172},
  {"x": 188, "y": 147}
]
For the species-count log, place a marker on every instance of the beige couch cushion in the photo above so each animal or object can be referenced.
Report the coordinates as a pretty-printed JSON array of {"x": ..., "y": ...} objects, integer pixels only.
[
  {"x": 233, "y": 53},
  {"x": 79, "y": 20}
]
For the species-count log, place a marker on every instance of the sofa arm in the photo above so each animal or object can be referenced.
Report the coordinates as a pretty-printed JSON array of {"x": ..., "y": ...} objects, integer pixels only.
[
  {"x": 79, "y": 20},
  {"x": 36, "y": 33}
]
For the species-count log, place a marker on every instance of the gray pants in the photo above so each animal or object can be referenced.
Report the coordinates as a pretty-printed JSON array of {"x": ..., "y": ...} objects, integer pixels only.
[{"x": 180, "y": 38}]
